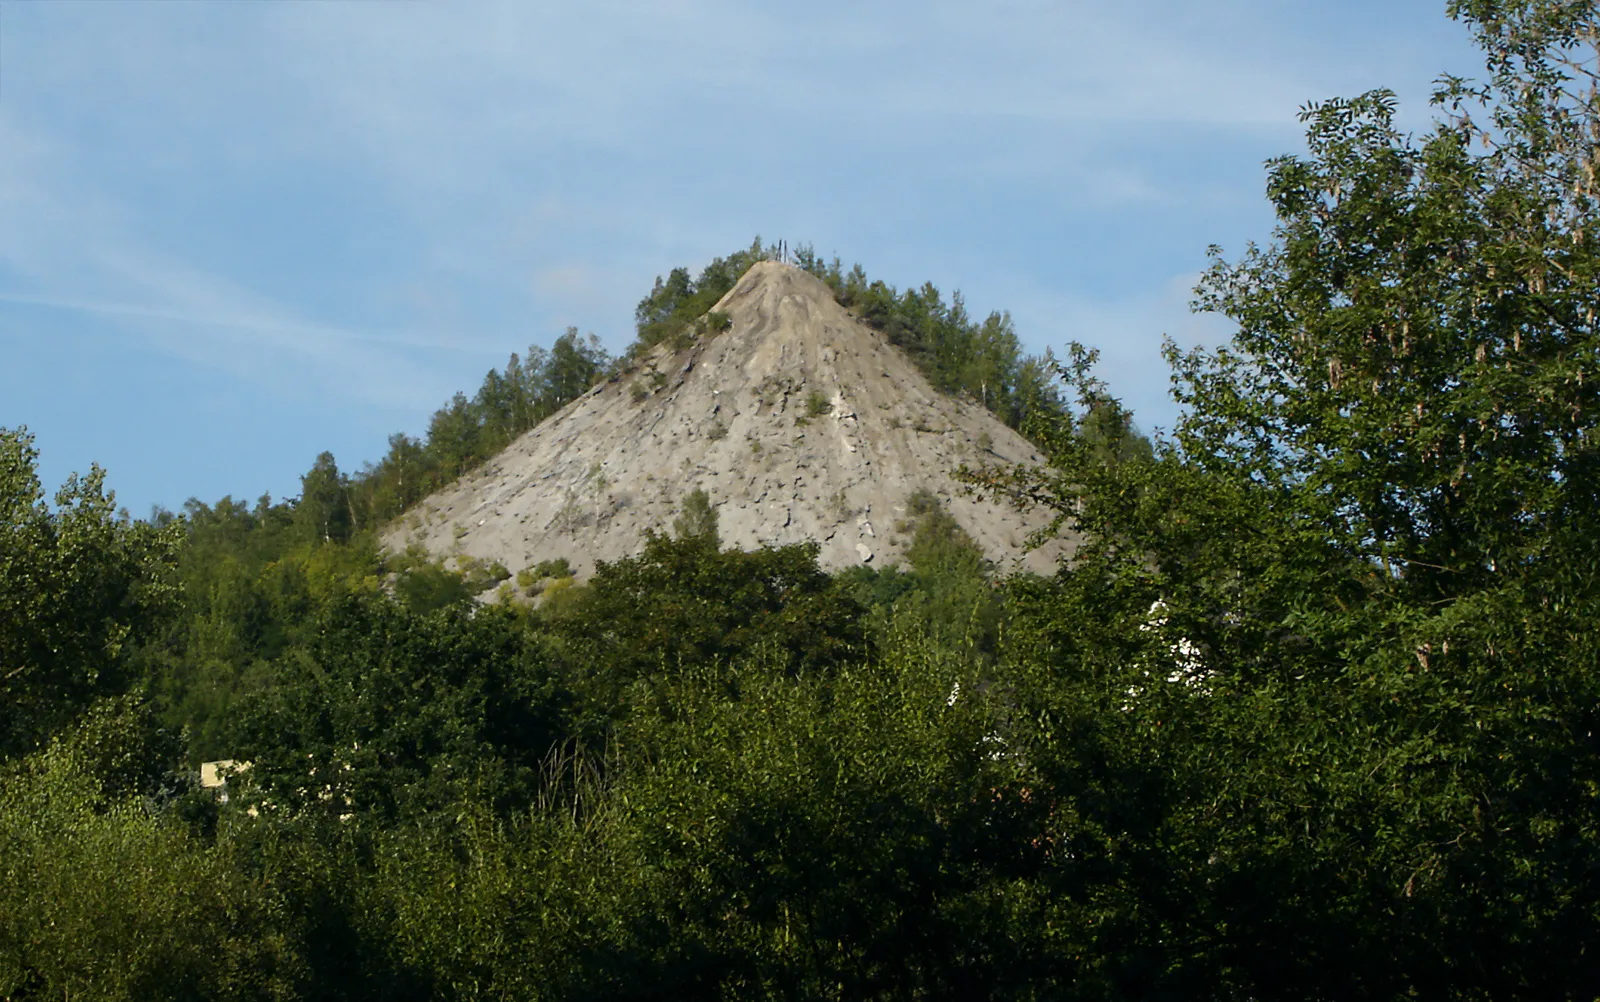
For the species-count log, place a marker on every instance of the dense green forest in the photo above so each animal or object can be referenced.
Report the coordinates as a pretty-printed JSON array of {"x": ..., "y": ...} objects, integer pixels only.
[{"x": 1311, "y": 713}]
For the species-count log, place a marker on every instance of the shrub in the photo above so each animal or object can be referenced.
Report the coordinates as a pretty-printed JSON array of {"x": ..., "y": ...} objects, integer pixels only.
[{"x": 557, "y": 568}]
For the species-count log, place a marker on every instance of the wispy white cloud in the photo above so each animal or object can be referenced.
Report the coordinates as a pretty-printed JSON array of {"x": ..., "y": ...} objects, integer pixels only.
[
  {"x": 373, "y": 202},
  {"x": 277, "y": 334},
  {"x": 82, "y": 258},
  {"x": 75, "y": 243}
]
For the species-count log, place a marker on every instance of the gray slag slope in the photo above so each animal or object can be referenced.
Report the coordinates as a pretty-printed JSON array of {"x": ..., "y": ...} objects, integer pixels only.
[{"x": 731, "y": 415}]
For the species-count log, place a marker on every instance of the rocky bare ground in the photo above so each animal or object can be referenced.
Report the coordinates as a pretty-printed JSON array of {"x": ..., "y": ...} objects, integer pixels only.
[{"x": 799, "y": 421}]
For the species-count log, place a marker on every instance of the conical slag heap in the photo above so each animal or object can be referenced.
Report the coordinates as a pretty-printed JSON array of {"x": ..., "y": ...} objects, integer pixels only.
[{"x": 799, "y": 421}]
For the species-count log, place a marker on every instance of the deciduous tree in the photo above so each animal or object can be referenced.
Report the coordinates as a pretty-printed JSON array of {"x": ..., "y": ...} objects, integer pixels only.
[{"x": 78, "y": 587}]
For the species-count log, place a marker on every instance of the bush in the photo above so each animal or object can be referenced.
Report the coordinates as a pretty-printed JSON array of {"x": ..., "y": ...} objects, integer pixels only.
[
  {"x": 557, "y": 568},
  {"x": 683, "y": 602},
  {"x": 100, "y": 899},
  {"x": 391, "y": 715}
]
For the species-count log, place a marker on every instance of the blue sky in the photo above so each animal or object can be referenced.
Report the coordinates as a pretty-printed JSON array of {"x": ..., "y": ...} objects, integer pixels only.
[{"x": 233, "y": 235}]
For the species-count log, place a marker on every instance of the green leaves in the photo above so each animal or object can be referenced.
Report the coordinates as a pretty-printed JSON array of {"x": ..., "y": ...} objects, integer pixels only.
[
  {"x": 677, "y": 303},
  {"x": 391, "y": 715},
  {"x": 77, "y": 586},
  {"x": 324, "y": 509},
  {"x": 1372, "y": 530},
  {"x": 698, "y": 519},
  {"x": 1412, "y": 348},
  {"x": 468, "y": 430},
  {"x": 957, "y": 353},
  {"x": 98, "y": 899},
  {"x": 682, "y": 602}
]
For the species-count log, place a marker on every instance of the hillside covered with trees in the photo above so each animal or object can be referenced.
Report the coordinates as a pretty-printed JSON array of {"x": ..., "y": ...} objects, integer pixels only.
[{"x": 1312, "y": 713}]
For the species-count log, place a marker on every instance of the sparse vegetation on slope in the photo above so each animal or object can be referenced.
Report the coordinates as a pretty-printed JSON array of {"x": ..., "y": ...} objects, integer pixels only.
[
  {"x": 796, "y": 402},
  {"x": 982, "y": 360},
  {"x": 958, "y": 354},
  {"x": 679, "y": 306},
  {"x": 469, "y": 430}
]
